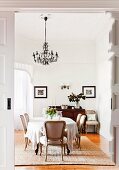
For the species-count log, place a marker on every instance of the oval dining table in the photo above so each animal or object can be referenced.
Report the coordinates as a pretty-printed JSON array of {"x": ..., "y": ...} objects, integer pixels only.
[{"x": 35, "y": 130}]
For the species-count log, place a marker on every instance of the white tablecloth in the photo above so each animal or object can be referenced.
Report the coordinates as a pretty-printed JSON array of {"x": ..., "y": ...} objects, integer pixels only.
[{"x": 35, "y": 128}]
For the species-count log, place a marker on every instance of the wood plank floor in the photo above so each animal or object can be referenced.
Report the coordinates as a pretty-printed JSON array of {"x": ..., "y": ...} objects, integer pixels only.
[{"x": 97, "y": 139}]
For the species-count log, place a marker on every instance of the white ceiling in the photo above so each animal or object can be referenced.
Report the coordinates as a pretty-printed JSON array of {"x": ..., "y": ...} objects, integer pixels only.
[{"x": 60, "y": 26}]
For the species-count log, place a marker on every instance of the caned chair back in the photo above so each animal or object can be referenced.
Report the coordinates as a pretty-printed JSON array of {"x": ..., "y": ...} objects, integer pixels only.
[
  {"x": 55, "y": 130},
  {"x": 26, "y": 117},
  {"x": 23, "y": 123}
]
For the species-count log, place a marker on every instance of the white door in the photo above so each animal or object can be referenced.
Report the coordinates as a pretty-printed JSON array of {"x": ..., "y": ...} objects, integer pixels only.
[
  {"x": 114, "y": 41},
  {"x": 6, "y": 90}
]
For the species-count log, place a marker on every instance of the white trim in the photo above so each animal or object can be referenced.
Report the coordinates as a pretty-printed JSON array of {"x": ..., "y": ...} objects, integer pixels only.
[
  {"x": 37, "y": 4},
  {"x": 4, "y": 146},
  {"x": 3, "y": 38},
  {"x": 2, "y": 69},
  {"x": 24, "y": 67}
]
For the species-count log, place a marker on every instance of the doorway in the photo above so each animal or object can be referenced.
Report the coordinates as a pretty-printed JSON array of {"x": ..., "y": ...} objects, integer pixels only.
[
  {"x": 23, "y": 96},
  {"x": 83, "y": 63}
]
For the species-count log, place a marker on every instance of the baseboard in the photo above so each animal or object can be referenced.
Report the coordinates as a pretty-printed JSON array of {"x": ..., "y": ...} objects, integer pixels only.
[{"x": 107, "y": 147}]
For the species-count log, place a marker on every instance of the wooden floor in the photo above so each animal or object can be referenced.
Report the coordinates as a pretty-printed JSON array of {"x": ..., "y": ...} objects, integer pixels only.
[{"x": 97, "y": 139}]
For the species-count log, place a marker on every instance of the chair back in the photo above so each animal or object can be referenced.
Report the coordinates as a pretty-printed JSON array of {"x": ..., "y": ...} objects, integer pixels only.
[
  {"x": 78, "y": 119},
  {"x": 91, "y": 115},
  {"x": 55, "y": 130},
  {"x": 82, "y": 119},
  {"x": 26, "y": 117},
  {"x": 81, "y": 123},
  {"x": 23, "y": 123}
]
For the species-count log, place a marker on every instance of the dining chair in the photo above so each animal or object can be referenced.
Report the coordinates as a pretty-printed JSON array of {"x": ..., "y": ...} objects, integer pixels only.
[
  {"x": 26, "y": 115},
  {"x": 25, "y": 130},
  {"x": 78, "y": 135},
  {"x": 81, "y": 126},
  {"x": 54, "y": 136},
  {"x": 78, "y": 119},
  {"x": 82, "y": 123}
]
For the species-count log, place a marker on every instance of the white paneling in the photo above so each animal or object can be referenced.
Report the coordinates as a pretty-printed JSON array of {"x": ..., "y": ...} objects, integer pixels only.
[
  {"x": 116, "y": 32},
  {"x": 2, "y": 31},
  {"x": 116, "y": 70},
  {"x": 6, "y": 90},
  {"x": 2, "y": 147},
  {"x": 2, "y": 69},
  {"x": 116, "y": 101},
  {"x": 116, "y": 146},
  {"x": 2, "y": 101},
  {"x": 113, "y": 33}
]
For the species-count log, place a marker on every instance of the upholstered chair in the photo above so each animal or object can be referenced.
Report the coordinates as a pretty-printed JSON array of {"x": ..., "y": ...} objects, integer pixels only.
[
  {"x": 81, "y": 126},
  {"x": 25, "y": 130},
  {"x": 82, "y": 123},
  {"x": 26, "y": 115},
  {"x": 54, "y": 136},
  {"x": 92, "y": 120}
]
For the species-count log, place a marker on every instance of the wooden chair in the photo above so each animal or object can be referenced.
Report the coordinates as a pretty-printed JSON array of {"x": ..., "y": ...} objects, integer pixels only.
[
  {"x": 54, "y": 136},
  {"x": 25, "y": 130},
  {"x": 81, "y": 126},
  {"x": 26, "y": 117}
]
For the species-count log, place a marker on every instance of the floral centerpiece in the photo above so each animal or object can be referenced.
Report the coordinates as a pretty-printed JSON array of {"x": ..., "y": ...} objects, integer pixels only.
[
  {"x": 51, "y": 112},
  {"x": 76, "y": 98}
]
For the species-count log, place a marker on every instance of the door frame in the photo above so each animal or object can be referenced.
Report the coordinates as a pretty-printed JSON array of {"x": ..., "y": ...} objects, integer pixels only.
[{"x": 64, "y": 7}]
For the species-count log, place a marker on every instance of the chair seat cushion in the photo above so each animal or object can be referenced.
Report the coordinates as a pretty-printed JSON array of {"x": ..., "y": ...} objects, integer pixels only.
[
  {"x": 92, "y": 122},
  {"x": 43, "y": 141}
]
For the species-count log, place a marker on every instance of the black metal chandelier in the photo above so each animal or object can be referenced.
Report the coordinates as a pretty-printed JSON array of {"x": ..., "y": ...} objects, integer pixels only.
[{"x": 45, "y": 57}]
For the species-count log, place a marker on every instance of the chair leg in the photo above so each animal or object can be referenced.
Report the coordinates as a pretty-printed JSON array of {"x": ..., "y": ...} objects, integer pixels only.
[
  {"x": 86, "y": 128},
  {"x": 68, "y": 151},
  {"x": 36, "y": 151},
  {"x": 40, "y": 149},
  {"x": 29, "y": 142},
  {"x": 79, "y": 142},
  {"x": 64, "y": 148},
  {"x": 62, "y": 152},
  {"x": 46, "y": 153},
  {"x": 96, "y": 128},
  {"x": 26, "y": 143}
]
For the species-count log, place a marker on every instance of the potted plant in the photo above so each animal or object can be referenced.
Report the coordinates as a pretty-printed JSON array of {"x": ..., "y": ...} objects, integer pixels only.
[
  {"x": 51, "y": 112},
  {"x": 76, "y": 98}
]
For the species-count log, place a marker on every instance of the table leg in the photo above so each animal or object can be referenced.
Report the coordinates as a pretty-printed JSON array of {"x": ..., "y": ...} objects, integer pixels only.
[
  {"x": 36, "y": 151},
  {"x": 68, "y": 150}
]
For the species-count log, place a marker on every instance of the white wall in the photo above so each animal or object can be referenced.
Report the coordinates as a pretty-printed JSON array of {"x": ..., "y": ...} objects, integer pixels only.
[
  {"x": 75, "y": 66},
  {"x": 104, "y": 71},
  {"x": 23, "y": 96}
]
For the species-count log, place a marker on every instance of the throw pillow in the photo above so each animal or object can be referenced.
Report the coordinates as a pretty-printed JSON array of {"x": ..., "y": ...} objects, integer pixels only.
[{"x": 91, "y": 117}]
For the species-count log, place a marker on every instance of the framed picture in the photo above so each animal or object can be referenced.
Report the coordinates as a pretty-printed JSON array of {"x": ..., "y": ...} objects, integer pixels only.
[
  {"x": 89, "y": 91},
  {"x": 40, "y": 91}
]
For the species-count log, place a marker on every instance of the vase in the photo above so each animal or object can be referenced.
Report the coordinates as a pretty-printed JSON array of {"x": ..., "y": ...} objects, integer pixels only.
[
  {"x": 77, "y": 105},
  {"x": 51, "y": 117}
]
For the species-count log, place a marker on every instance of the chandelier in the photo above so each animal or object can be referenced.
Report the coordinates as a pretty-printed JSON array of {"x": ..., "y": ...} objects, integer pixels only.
[{"x": 45, "y": 57}]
